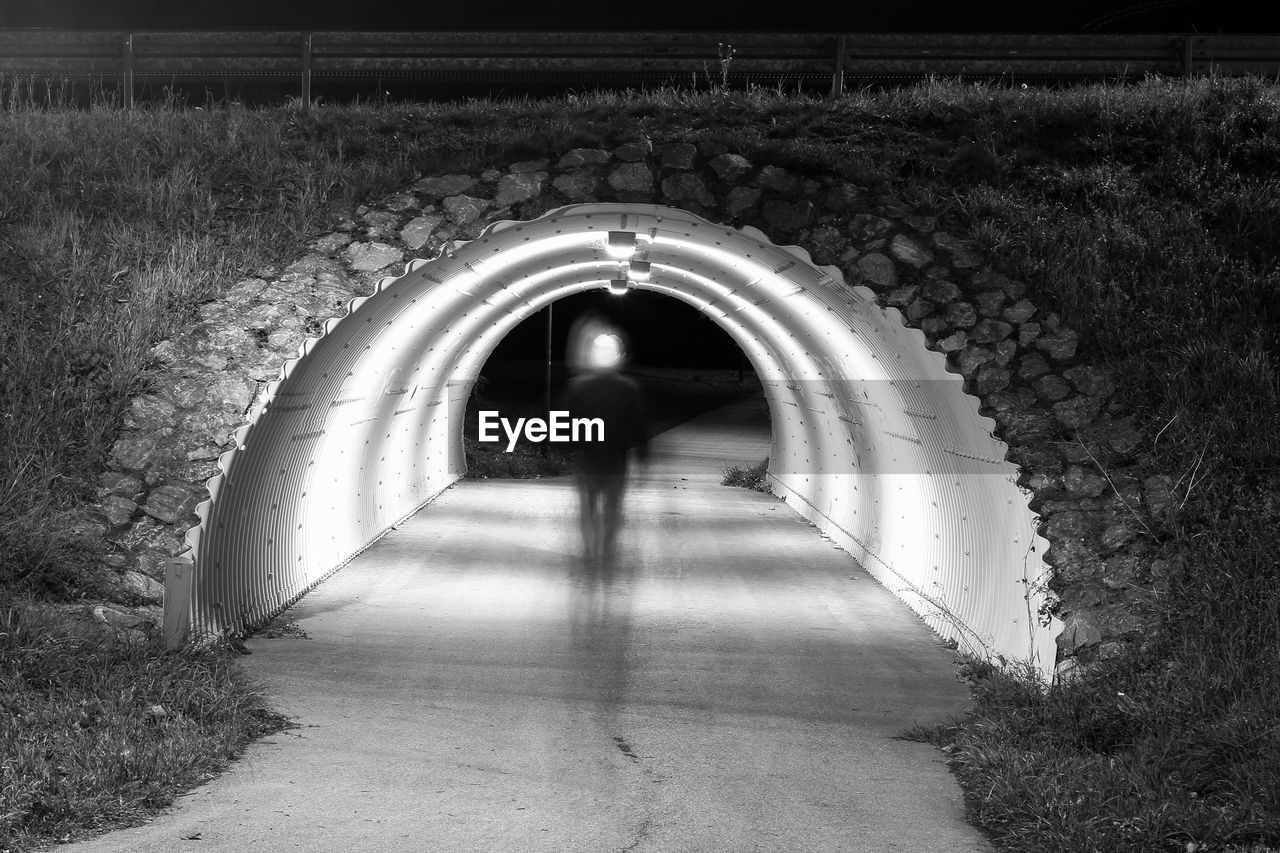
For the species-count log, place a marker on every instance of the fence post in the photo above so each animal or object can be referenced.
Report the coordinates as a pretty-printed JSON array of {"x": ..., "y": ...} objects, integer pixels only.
[
  {"x": 837, "y": 76},
  {"x": 306, "y": 71},
  {"x": 128, "y": 71},
  {"x": 1188, "y": 52}
]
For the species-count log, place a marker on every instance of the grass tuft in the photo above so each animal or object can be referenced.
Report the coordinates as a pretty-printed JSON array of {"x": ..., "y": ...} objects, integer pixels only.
[{"x": 755, "y": 478}]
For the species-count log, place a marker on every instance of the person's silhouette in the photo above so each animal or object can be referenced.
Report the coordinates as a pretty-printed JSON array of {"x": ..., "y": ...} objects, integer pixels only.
[{"x": 597, "y": 351}]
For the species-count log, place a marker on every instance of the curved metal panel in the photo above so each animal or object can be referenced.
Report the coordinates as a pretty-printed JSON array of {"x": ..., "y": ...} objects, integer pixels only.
[{"x": 873, "y": 440}]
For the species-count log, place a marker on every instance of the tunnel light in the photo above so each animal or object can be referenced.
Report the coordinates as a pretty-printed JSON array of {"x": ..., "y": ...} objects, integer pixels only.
[
  {"x": 639, "y": 270},
  {"x": 619, "y": 286},
  {"x": 605, "y": 352},
  {"x": 622, "y": 244}
]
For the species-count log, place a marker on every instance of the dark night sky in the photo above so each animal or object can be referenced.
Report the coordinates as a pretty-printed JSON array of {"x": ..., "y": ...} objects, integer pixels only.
[{"x": 703, "y": 15}]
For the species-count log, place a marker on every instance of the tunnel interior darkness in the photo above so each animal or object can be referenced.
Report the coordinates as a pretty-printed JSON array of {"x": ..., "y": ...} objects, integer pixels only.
[{"x": 872, "y": 439}]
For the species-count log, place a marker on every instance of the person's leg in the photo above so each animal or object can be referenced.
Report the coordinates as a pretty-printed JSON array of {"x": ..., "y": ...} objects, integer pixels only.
[
  {"x": 612, "y": 491},
  {"x": 587, "y": 514}
]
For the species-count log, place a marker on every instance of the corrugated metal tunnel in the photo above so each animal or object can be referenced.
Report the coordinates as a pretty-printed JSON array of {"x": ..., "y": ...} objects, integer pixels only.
[{"x": 873, "y": 440}]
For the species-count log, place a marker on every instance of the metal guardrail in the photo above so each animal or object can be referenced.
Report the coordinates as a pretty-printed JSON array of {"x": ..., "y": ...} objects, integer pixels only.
[{"x": 619, "y": 58}]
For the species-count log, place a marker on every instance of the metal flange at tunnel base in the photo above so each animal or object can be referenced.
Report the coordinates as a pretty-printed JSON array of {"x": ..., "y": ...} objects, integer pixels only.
[{"x": 179, "y": 574}]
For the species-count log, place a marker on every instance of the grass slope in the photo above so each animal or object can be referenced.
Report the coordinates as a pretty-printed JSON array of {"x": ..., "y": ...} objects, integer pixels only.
[{"x": 1147, "y": 215}]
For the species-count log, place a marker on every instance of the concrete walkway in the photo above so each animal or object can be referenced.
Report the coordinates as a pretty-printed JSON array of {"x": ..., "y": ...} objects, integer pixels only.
[{"x": 736, "y": 687}]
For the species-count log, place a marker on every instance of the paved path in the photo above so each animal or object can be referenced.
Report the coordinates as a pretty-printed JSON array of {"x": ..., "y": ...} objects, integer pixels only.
[{"x": 736, "y": 687}]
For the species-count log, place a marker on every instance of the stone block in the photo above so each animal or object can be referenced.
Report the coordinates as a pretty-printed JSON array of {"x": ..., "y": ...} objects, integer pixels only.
[
  {"x": 865, "y": 226},
  {"x": 962, "y": 315},
  {"x": 171, "y": 503},
  {"x": 934, "y": 326},
  {"x": 788, "y": 217},
  {"x": 990, "y": 379},
  {"x": 631, "y": 177},
  {"x": 443, "y": 186},
  {"x": 1051, "y": 387},
  {"x": 634, "y": 151},
  {"x": 842, "y": 197},
  {"x": 878, "y": 271},
  {"x": 1081, "y": 482},
  {"x": 900, "y": 297},
  {"x": 527, "y": 167},
  {"x": 518, "y": 187},
  {"x": 918, "y": 310},
  {"x": 371, "y": 257},
  {"x": 118, "y": 483},
  {"x": 1078, "y": 411},
  {"x": 963, "y": 255},
  {"x": 1078, "y": 633},
  {"x": 117, "y": 617},
  {"x": 730, "y": 168},
  {"x": 381, "y": 224},
  {"x": 684, "y": 187},
  {"x": 908, "y": 251},
  {"x": 464, "y": 209},
  {"x": 132, "y": 452},
  {"x": 577, "y": 186},
  {"x": 777, "y": 179},
  {"x": 1028, "y": 333},
  {"x": 1094, "y": 381},
  {"x": 1005, "y": 352},
  {"x": 990, "y": 302},
  {"x": 417, "y": 231},
  {"x": 400, "y": 202},
  {"x": 1020, "y": 312},
  {"x": 141, "y": 586},
  {"x": 118, "y": 510},
  {"x": 579, "y": 157},
  {"x": 1123, "y": 437},
  {"x": 988, "y": 331},
  {"x": 1117, "y": 535},
  {"x": 922, "y": 224},
  {"x": 1158, "y": 492},
  {"x": 971, "y": 358},
  {"x": 825, "y": 244},
  {"x": 1014, "y": 289},
  {"x": 331, "y": 244},
  {"x": 677, "y": 155},
  {"x": 740, "y": 201},
  {"x": 150, "y": 412},
  {"x": 941, "y": 291}
]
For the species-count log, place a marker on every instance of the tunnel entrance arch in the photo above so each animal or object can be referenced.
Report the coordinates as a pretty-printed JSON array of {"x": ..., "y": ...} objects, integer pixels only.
[{"x": 873, "y": 440}]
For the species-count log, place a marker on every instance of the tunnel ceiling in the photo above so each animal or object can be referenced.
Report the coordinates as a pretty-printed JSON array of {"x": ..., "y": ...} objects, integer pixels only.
[{"x": 873, "y": 440}]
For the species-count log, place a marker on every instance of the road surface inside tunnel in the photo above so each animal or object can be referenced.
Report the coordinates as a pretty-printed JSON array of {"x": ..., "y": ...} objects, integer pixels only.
[{"x": 736, "y": 686}]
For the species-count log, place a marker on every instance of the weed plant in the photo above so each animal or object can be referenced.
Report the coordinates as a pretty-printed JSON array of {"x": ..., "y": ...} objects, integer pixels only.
[
  {"x": 1146, "y": 214},
  {"x": 755, "y": 478}
]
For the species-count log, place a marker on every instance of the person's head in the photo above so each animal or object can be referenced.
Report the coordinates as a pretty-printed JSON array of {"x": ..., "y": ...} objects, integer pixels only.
[{"x": 596, "y": 344}]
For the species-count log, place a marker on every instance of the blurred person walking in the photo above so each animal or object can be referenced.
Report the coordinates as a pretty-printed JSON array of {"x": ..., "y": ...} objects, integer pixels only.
[{"x": 597, "y": 352}]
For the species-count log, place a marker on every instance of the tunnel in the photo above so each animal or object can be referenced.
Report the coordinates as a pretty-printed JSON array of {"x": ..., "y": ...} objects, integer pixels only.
[{"x": 873, "y": 440}]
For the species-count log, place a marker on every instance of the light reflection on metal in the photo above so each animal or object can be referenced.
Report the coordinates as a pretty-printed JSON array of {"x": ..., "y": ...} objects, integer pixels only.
[
  {"x": 873, "y": 440},
  {"x": 621, "y": 244}
]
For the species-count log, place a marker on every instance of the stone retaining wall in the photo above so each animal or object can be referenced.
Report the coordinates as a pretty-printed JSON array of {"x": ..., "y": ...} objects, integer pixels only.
[{"x": 1078, "y": 447}]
